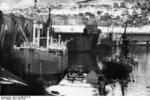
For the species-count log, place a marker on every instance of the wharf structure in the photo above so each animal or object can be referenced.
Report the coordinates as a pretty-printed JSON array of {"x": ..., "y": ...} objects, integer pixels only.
[{"x": 136, "y": 34}]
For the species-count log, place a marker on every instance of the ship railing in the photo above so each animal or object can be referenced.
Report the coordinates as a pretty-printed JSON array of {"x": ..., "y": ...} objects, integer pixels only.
[
  {"x": 42, "y": 49},
  {"x": 28, "y": 45},
  {"x": 63, "y": 48},
  {"x": 58, "y": 46},
  {"x": 57, "y": 52},
  {"x": 43, "y": 37}
]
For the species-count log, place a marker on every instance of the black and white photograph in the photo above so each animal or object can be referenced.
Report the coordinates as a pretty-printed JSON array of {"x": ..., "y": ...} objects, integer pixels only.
[{"x": 74, "y": 48}]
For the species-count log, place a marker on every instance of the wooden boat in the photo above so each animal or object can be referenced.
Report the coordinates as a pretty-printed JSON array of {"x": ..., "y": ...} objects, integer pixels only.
[{"x": 119, "y": 66}]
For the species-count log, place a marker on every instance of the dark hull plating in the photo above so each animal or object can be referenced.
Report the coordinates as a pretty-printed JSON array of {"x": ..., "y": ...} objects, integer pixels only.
[
  {"x": 35, "y": 62},
  {"x": 83, "y": 43},
  {"x": 116, "y": 70}
]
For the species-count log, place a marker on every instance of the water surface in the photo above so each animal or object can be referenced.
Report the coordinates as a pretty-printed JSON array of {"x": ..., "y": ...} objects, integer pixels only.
[{"x": 137, "y": 83}]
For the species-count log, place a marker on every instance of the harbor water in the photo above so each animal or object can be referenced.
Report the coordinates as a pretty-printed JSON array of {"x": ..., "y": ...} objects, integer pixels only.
[{"x": 137, "y": 83}]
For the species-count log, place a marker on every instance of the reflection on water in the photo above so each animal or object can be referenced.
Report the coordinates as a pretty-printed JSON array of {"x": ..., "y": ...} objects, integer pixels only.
[
  {"x": 140, "y": 83},
  {"x": 84, "y": 61},
  {"x": 142, "y": 75},
  {"x": 137, "y": 83}
]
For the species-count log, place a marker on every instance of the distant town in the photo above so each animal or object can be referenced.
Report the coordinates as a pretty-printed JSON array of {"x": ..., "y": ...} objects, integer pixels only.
[{"x": 100, "y": 12}]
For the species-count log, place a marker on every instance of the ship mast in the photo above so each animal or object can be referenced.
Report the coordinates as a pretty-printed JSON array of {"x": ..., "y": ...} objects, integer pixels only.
[
  {"x": 50, "y": 20},
  {"x": 35, "y": 9},
  {"x": 124, "y": 44},
  {"x": 49, "y": 29}
]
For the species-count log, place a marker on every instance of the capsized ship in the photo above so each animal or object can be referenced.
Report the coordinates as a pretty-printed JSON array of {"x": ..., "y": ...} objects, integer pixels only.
[{"x": 35, "y": 54}]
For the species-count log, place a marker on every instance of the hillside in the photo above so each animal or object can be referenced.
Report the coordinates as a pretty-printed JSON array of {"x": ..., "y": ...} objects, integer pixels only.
[{"x": 81, "y": 12}]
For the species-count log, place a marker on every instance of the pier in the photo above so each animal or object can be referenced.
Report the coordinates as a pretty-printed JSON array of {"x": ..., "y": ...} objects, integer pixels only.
[
  {"x": 135, "y": 34},
  {"x": 141, "y": 38}
]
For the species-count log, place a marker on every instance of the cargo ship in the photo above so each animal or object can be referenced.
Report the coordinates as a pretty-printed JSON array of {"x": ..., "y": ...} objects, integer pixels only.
[{"x": 26, "y": 50}]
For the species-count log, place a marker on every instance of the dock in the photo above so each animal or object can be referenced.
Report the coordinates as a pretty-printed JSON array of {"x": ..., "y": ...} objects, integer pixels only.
[
  {"x": 114, "y": 29},
  {"x": 135, "y": 34}
]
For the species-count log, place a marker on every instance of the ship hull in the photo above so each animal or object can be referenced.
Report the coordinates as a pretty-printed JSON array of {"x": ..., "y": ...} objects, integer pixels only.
[
  {"x": 83, "y": 43},
  {"x": 35, "y": 62},
  {"x": 116, "y": 70}
]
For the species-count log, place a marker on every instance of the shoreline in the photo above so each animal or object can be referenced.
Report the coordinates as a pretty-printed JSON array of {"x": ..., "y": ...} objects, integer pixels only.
[{"x": 79, "y": 29}]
